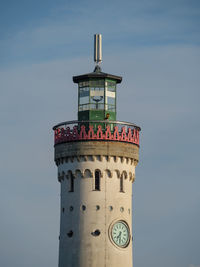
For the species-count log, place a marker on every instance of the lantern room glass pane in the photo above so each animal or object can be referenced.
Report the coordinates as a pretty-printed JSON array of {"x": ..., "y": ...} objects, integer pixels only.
[
  {"x": 111, "y": 100},
  {"x": 110, "y": 107},
  {"x": 84, "y": 84},
  {"x": 97, "y": 94},
  {"x": 84, "y": 107},
  {"x": 85, "y": 91},
  {"x": 84, "y": 100},
  {"x": 98, "y": 106},
  {"x": 111, "y": 86},
  {"x": 97, "y": 83},
  {"x": 97, "y": 99}
]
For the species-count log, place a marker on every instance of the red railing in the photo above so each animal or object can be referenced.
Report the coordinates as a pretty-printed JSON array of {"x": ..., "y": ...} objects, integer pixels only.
[{"x": 96, "y": 130}]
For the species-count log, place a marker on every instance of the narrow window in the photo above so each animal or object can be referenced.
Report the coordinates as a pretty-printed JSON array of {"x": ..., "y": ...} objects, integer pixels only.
[
  {"x": 121, "y": 185},
  {"x": 71, "y": 183},
  {"x": 71, "y": 208},
  {"x": 97, "y": 180},
  {"x": 70, "y": 233},
  {"x": 96, "y": 233},
  {"x": 122, "y": 209}
]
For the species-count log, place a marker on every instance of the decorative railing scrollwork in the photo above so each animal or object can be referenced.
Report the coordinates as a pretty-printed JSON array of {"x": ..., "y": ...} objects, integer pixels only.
[{"x": 71, "y": 131}]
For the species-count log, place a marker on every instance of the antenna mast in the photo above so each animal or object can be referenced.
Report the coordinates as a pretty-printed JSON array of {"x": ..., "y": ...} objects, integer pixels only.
[{"x": 97, "y": 50}]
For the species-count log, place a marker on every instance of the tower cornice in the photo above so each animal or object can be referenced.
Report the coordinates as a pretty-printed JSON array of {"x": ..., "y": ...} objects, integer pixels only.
[
  {"x": 94, "y": 75},
  {"x": 97, "y": 148}
]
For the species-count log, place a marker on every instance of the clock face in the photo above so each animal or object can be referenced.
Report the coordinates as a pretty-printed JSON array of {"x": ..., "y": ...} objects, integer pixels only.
[{"x": 120, "y": 234}]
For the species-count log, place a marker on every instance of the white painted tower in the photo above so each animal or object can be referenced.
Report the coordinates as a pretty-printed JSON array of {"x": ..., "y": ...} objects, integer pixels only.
[{"x": 96, "y": 158}]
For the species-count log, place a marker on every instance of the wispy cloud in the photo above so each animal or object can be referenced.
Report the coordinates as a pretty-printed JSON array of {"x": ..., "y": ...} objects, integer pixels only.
[{"x": 142, "y": 24}]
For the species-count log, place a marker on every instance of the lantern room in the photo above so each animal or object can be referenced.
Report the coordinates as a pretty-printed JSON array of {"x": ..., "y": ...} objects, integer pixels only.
[{"x": 97, "y": 95}]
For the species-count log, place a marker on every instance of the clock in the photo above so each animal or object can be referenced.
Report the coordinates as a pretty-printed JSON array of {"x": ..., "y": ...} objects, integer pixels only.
[{"x": 120, "y": 234}]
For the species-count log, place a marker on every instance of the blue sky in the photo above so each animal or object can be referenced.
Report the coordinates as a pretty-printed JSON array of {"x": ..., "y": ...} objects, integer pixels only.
[{"x": 155, "y": 46}]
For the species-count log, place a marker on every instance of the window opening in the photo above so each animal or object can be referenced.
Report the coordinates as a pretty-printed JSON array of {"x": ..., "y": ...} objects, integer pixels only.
[
  {"x": 71, "y": 208},
  {"x": 70, "y": 233},
  {"x": 96, "y": 233},
  {"x": 83, "y": 207},
  {"x": 97, "y": 180},
  {"x": 121, "y": 185},
  {"x": 97, "y": 207},
  {"x": 71, "y": 183}
]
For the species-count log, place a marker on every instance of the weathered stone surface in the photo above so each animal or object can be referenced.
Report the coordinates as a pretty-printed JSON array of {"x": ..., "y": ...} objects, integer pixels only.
[{"x": 102, "y": 148}]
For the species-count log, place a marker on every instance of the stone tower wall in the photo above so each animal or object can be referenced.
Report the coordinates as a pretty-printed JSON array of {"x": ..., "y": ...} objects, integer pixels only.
[{"x": 88, "y": 214}]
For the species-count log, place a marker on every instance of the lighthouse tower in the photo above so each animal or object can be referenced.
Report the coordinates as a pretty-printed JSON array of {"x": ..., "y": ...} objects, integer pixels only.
[{"x": 96, "y": 157}]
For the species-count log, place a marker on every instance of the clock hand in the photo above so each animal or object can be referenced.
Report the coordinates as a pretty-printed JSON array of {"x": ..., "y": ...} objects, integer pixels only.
[{"x": 119, "y": 236}]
